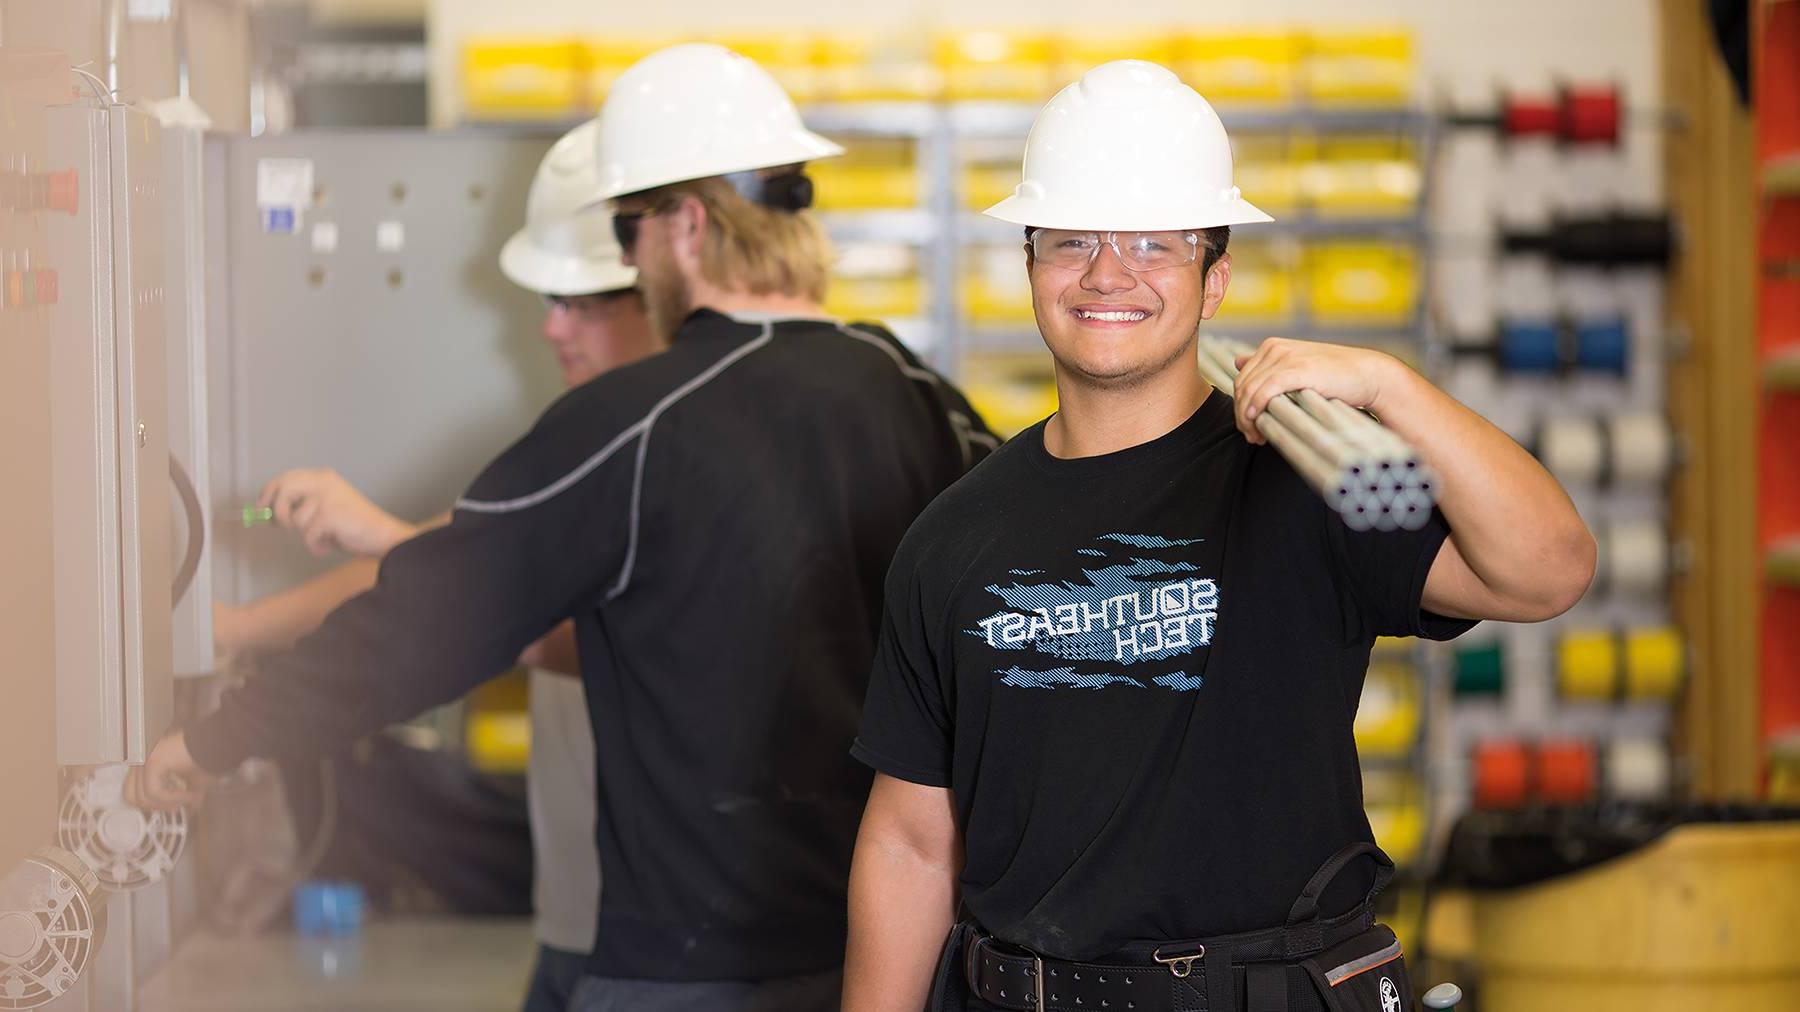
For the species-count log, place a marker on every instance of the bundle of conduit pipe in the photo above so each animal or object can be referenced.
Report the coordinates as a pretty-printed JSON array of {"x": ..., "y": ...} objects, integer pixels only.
[{"x": 1366, "y": 473}]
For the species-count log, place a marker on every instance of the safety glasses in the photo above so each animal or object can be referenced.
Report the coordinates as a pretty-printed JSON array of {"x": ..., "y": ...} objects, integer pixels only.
[
  {"x": 1138, "y": 251},
  {"x": 625, "y": 227}
]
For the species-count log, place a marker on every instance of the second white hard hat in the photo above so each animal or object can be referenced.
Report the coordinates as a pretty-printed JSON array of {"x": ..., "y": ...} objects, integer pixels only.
[
  {"x": 567, "y": 245},
  {"x": 698, "y": 110},
  {"x": 1129, "y": 147}
]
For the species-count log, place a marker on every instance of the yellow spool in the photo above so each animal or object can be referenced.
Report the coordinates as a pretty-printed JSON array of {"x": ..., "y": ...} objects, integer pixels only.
[
  {"x": 499, "y": 742},
  {"x": 1654, "y": 662},
  {"x": 1588, "y": 665},
  {"x": 1387, "y": 719}
]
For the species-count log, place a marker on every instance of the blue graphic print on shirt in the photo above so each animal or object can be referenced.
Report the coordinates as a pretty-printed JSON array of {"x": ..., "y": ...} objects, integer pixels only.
[{"x": 1135, "y": 612}]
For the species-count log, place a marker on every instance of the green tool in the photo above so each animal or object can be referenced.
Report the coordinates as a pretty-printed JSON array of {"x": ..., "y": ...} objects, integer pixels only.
[{"x": 254, "y": 515}]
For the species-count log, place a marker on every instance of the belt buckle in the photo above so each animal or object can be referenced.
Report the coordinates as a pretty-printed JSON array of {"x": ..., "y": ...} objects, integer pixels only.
[
  {"x": 1180, "y": 965},
  {"x": 1037, "y": 993}
]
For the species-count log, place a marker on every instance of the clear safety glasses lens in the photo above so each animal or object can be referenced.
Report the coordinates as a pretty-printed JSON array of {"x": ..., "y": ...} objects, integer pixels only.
[{"x": 1138, "y": 251}]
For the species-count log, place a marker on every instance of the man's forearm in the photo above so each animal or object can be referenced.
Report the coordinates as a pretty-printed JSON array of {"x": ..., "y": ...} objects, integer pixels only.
[
  {"x": 902, "y": 906},
  {"x": 276, "y": 621},
  {"x": 1513, "y": 524}
]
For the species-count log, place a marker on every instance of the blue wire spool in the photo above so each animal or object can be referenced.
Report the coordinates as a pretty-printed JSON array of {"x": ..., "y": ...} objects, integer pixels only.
[
  {"x": 1529, "y": 346},
  {"x": 1602, "y": 345}
]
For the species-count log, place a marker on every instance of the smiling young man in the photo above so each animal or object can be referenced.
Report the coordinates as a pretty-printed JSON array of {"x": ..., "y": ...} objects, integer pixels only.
[{"x": 1112, "y": 705}]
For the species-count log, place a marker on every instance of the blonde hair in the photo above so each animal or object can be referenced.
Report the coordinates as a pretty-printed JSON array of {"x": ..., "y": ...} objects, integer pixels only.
[{"x": 753, "y": 248}]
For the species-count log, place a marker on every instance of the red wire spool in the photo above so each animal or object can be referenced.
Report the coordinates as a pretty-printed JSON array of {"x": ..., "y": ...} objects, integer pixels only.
[
  {"x": 1529, "y": 117},
  {"x": 1502, "y": 774},
  {"x": 1590, "y": 115},
  {"x": 1566, "y": 772}
]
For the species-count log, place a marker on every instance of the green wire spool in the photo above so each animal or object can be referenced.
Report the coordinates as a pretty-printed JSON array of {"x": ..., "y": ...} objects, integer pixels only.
[{"x": 1480, "y": 670}]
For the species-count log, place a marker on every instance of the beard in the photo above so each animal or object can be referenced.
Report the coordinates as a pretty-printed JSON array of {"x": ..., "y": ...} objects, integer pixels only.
[
  {"x": 1130, "y": 375},
  {"x": 667, "y": 299}
]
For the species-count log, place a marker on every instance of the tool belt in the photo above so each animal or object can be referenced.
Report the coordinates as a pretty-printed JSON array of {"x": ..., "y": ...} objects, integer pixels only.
[{"x": 1346, "y": 963}]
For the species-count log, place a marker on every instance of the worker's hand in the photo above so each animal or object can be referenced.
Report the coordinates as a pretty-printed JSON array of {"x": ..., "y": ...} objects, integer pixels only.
[
  {"x": 1355, "y": 376},
  {"x": 331, "y": 515},
  {"x": 169, "y": 778}
]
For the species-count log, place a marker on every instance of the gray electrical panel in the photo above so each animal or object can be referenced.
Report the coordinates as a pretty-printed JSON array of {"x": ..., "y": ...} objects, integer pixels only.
[
  {"x": 358, "y": 321},
  {"x": 110, "y": 486}
]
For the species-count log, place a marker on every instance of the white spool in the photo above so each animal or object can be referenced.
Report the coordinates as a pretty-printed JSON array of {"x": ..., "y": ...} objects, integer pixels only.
[
  {"x": 1636, "y": 558},
  {"x": 125, "y": 847},
  {"x": 1637, "y": 769},
  {"x": 1643, "y": 449},
  {"x": 1573, "y": 449},
  {"x": 51, "y": 924}
]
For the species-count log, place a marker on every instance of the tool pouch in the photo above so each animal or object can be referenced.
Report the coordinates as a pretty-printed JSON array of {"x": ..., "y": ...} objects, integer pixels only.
[{"x": 1366, "y": 973}]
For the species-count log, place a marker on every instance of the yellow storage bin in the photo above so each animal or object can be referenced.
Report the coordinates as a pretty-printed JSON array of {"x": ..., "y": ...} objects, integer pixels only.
[
  {"x": 1011, "y": 395},
  {"x": 1267, "y": 170},
  {"x": 604, "y": 58},
  {"x": 995, "y": 289},
  {"x": 983, "y": 186},
  {"x": 995, "y": 65},
  {"x": 874, "y": 298},
  {"x": 792, "y": 58},
  {"x": 1700, "y": 920},
  {"x": 1080, "y": 52},
  {"x": 876, "y": 68},
  {"x": 1387, "y": 718},
  {"x": 522, "y": 78},
  {"x": 1263, "y": 285},
  {"x": 875, "y": 281},
  {"x": 1361, "y": 283},
  {"x": 1361, "y": 68},
  {"x": 873, "y": 174},
  {"x": 1240, "y": 68},
  {"x": 1362, "y": 177}
]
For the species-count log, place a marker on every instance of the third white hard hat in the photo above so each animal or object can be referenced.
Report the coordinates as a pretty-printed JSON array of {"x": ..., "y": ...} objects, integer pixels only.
[
  {"x": 567, "y": 245},
  {"x": 698, "y": 110},
  {"x": 1129, "y": 147}
]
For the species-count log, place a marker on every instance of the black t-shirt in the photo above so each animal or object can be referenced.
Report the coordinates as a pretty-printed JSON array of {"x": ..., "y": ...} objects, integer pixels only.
[{"x": 1138, "y": 674}]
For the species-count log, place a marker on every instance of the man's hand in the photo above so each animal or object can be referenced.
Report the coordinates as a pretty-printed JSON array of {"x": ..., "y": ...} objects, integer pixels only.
[
  {"x": 169, "y": 778},
  {"x": 331, "y": 514},
  {"x": 1356, "y": 376}
]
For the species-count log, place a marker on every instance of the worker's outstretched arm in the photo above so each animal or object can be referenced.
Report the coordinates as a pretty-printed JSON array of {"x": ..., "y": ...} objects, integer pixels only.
[
  {"x": 544, "y": 531},
  {"x": 902, "y": 896}
]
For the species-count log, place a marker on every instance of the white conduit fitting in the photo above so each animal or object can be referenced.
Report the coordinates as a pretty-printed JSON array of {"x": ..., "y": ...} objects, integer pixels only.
[{"x": 1370, "y": 476}]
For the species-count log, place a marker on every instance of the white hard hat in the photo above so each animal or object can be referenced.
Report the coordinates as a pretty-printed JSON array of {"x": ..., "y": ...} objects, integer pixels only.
[
  {"x": 1127, "y": 148},
  {"x": 693, "y": 111},
  {"x": 567, "y": 245}
]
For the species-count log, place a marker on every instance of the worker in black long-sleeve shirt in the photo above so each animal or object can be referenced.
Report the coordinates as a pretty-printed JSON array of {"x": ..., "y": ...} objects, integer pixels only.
[{"x": 717, "y": 521}]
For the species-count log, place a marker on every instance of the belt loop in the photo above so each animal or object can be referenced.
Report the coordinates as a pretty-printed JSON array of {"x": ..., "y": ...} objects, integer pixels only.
[{"x": 1221, "y": 982}]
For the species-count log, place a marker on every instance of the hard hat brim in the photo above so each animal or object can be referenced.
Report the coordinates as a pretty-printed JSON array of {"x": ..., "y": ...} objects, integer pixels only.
[
  {"x": 1165, "y": 217},
  {"x": 805, "y": 146},
  {"x": 529, "y": 267}
]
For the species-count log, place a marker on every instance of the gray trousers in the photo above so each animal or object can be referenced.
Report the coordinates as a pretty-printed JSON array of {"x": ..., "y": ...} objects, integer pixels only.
[{"x": 815, "y": 993}]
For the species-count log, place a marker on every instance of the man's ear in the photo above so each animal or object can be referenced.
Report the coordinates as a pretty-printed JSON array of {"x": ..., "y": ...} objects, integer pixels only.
[
  {"x": 687, "y": 230},
  {"x": 1218, "y": 278}
]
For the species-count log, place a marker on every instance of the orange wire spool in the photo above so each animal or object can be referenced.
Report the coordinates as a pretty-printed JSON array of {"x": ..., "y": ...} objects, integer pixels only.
[
  {"x": 1566, "y": 772},
  {"x": 1502, "y": 774}
]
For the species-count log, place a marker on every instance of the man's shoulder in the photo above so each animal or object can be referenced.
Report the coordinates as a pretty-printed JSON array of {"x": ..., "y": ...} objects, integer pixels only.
[{"x": 966, "y": 513}]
